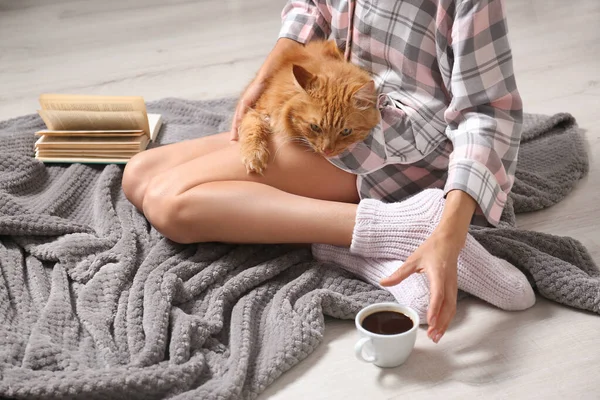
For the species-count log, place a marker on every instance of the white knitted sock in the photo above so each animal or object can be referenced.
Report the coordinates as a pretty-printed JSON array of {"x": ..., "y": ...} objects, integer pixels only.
[
  {"x": 396, "y": 230},
  {"x": 413, "y": 291}
]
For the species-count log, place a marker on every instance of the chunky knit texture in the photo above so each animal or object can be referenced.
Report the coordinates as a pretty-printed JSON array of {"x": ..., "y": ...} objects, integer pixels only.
[
  {"x": 412, "y": 292},
  {"x": 479, "y": 274},
  {"x": 395, "y": 231},
  {"x": 96, "y": 304}
]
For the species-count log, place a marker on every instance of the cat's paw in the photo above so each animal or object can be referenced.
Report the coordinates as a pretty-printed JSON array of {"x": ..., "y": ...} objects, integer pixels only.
[{"x": 255, "y": 160}]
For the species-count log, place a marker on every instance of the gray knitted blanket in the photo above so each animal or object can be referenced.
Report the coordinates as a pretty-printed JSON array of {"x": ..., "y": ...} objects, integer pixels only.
[{"x": 94, "y": 303}]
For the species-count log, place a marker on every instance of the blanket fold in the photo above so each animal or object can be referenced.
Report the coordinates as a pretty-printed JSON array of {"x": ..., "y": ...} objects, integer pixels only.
[{"x": 96, "y": 304}]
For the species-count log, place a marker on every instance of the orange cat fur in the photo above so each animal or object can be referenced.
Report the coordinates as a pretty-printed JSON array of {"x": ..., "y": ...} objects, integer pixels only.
[{"x": 315, "y": 97}]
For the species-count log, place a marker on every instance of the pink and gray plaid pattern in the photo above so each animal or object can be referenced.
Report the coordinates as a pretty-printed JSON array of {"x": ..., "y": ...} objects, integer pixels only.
[{"x": 451, "y": 112}]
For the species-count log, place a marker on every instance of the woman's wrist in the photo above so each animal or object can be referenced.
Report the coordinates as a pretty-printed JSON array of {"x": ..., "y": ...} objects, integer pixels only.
[{"x": 456, "y": 217}]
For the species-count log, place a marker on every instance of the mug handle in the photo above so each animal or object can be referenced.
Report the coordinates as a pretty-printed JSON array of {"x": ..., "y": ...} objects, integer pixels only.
[{"x": 358, "y": 350}]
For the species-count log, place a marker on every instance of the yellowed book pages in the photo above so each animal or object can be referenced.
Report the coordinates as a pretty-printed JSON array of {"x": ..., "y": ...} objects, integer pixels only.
[
  {"x": 98, "y": 147},
  {"x": 84, "y": 160},
  {"x": 75, "y": 152},
  {"x": 93, "y": 120},
  {"x": 82, "y": 102},
  {"x": 86, "y": 153},
  {"x": 155, "y": 121},
  {"x": 91, "y": 142},
  {"x": 105, "y": 133},
  {"x": 95, "y": 148},
  {"x": 96, "y": 104}
]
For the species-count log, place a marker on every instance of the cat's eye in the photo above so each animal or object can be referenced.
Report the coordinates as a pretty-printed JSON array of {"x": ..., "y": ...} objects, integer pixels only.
[
  {"x": 315, "y": 127},
  {"x": 346, "y": 132}
]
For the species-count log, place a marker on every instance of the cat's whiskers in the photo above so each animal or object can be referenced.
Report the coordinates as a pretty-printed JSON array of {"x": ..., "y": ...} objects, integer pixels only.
[{"x": 294, "y": 139}]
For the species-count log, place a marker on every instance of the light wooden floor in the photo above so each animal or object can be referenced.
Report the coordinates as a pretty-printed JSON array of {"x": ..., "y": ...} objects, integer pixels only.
[{"x": 209, "y": 48}]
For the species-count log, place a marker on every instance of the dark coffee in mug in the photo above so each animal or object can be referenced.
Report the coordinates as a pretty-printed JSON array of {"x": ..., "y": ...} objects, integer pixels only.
[{"x": 387, "y": 323}]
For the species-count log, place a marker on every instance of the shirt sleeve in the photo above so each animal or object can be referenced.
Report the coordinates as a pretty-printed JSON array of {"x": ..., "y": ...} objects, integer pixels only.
[
  {"x": 303, "y": 21},
  {"x": 485, "y": 114}
]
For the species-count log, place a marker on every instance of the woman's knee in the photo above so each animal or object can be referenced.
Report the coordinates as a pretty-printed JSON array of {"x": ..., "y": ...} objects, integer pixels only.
[
  {"x": 135, "y": 179},
  {"x": 169, "y": 213}
]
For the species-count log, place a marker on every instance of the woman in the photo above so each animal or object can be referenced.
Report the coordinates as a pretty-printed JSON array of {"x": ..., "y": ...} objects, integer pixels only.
[{"x": 451, "y": 118}]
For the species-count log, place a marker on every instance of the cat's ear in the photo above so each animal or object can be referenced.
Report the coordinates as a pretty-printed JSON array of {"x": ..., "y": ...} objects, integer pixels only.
[
  {"x": 303, "y": 78},
  {"x": 366, "y": 96}
]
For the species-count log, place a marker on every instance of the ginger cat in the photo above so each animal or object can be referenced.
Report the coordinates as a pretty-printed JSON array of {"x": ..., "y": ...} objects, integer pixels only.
[{"x": 316, "y": 98}]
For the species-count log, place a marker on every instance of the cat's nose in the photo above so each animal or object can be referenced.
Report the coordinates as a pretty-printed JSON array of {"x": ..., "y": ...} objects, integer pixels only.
[{"x": 327, "y": 151}]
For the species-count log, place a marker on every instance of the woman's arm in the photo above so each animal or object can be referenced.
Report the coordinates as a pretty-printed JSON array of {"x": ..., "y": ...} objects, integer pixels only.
[
  {"x": 301, "y": 22},
  {"x": 484, "y": 124},
  {"x": 437, "y": 257},
  {"x": 485, "y": 115},
  {"x": 305, "y": 20},
  {"x": 456, "y": 217},
  {"x": 259, "y": 83}
]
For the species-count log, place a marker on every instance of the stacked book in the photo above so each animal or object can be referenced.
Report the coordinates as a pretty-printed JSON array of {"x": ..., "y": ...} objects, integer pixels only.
[{"x": 94, "y": 129}]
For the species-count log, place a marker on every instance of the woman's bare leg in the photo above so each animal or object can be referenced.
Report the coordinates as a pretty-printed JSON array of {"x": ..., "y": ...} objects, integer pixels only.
[
  {"x": 301, "y": 198},
  {"x": 146, "y": 165},
  {"x": 250, "y": 212}
]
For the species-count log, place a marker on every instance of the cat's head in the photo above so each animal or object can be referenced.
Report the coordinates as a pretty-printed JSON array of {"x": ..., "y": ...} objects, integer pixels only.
[{"x": 331, "y": 113}]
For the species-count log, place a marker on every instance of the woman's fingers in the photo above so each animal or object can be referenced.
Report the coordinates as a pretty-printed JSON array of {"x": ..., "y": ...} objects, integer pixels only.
[
  {"x": 442, "y": 304},
  {"x": 442, "y": 310},
  {"x": 437, "y": 282},
  {"x": 446, "y": 317},
  {"x": 407, "y": 269},
  {"x": 443, "y": 320},
  {"x": 237, "y": 119},
  {"x": 248, "y": 100}
]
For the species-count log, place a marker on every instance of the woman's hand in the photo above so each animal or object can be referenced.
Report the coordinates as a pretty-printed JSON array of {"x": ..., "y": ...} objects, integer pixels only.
[
  {"x": 259, "y": 84},
  {"x": 247, "y": 101},
  {"x": 437, "y": 257}
]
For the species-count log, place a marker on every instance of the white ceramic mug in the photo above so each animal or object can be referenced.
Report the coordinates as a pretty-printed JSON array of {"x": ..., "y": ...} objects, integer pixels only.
[{"x": 385, "y": 350}]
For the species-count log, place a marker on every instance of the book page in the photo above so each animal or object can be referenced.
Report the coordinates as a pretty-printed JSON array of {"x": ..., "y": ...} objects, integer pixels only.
[
  {"x": 97, "y": 104},
  {"x": 85, "y": 160},
  {"x": 90, "y": 152},
  {"x": 78, "y": 102},
  {"x": 64, "y": 120},
  {"x": 104, "y": 134},
  {"x": 155, "y": 122},
  {"x": 54, "y": 142},
  {"x": 90, "y": 140}
]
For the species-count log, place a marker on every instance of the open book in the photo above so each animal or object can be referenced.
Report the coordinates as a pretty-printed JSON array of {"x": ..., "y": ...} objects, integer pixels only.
[{"x": 94, "y": 129}]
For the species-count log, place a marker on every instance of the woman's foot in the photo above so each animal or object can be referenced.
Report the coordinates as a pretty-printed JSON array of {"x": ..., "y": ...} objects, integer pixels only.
[
  {"x": 413, "y": 291},
  {"x": 394, "y": 231}
]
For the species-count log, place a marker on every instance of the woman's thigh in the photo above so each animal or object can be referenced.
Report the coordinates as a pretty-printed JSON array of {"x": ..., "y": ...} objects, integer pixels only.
[
  {"x": 152, "y": 162},
  {"x": 292, "y": 168}
]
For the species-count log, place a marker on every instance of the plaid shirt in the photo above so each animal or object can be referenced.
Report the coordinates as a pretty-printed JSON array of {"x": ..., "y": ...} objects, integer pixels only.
[{"x": 443, "y": 70}]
